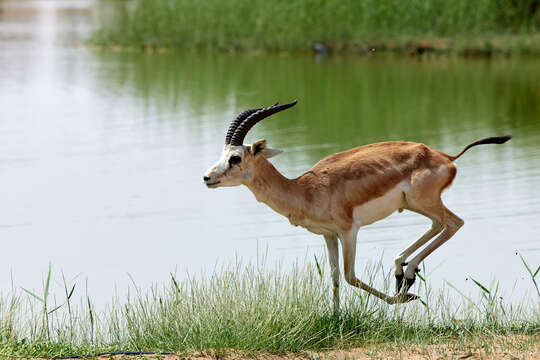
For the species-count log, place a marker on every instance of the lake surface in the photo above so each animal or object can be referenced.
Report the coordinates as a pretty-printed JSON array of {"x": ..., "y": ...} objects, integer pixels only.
[{"x": 102, "y": 155}]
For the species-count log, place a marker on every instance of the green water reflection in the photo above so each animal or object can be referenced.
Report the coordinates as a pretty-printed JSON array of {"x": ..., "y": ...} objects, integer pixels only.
[{"x": 345, "y": 102}]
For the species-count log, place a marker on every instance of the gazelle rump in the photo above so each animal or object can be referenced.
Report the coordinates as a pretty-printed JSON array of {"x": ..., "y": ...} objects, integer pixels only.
[{"x": 346, "y": 191}]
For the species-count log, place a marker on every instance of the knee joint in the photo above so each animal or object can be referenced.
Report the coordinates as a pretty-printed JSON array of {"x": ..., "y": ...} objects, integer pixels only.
[
  {"x": 456, "y": 223},
  {"x": 350, "y": 278},
  {"x": 335, "y": 278}
]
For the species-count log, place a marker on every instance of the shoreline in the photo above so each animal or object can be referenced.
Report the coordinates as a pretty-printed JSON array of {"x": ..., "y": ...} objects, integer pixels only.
[{"x": 488, "y": 47}]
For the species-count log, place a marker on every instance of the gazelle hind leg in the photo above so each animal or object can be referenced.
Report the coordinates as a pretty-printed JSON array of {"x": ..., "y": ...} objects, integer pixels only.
[
  {"x": 451, "y": 223},
  {"x": 424, "y": 197},
  {"x": 333, "y": 259},
  {"x": 400, "y": 259}
]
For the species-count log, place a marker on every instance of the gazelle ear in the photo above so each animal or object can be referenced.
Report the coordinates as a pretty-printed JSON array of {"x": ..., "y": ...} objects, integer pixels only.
[
  {"x": 268, "y": 153},
  {"x": 259, "y": 147}
]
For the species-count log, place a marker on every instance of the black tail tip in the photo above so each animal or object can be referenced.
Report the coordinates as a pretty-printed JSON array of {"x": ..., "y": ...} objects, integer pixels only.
[{"x": 502, "y": 139}]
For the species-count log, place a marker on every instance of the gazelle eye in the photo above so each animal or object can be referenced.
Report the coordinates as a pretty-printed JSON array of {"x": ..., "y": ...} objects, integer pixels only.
[{"x": 234, "y": 160}]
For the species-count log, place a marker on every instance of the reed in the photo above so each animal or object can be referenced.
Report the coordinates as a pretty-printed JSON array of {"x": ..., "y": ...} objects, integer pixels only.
[{"x": 283, "y": 25}]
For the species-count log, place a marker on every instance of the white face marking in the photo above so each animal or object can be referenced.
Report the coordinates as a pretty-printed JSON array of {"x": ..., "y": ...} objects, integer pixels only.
[
  {"x": 221, "y": 173},
  {"x": 223, "y": 163}
]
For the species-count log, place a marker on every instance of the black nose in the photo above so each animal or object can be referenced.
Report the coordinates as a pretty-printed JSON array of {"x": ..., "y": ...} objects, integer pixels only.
[{"x": 206, "y": 178}]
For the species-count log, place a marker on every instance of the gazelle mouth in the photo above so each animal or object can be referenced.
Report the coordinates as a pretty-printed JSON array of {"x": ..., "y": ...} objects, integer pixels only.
[{"x": 209, "y": 184}]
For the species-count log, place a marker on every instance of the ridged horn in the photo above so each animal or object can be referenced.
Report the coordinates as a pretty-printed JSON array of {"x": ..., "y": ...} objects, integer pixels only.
[
  {"x": 237, "y": 121},
  {"x": 241, "y": 130}
]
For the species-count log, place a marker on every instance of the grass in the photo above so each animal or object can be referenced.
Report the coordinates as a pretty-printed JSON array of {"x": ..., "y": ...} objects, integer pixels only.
[
  {"x": 249, "y": 308},
  {"x": 344, "y": 25}
]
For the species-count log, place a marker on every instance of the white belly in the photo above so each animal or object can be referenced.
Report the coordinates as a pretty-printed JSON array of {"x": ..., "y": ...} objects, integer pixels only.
[{"x": 380, "y": 207}]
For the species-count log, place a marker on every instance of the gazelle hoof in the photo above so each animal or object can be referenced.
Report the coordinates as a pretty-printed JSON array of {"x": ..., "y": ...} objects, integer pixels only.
[
  {"x": 405, "y": 298},
  {"x": 409, "y": 283},
  {"x": 403, "y": 284},
  {"x": 410, "y": 297}
]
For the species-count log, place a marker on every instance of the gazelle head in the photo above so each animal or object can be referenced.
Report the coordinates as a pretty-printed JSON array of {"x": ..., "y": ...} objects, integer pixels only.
[{"x": 236, "y": 163}]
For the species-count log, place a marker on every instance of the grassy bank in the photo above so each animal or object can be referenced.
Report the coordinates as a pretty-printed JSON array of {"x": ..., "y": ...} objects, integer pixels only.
[
  {"x": 250, "y": 309},
  {"x": 345, "y": 25}
]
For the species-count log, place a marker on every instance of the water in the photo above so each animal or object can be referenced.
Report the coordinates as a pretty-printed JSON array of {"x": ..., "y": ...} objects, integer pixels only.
[{"x": 102, "y": 155}]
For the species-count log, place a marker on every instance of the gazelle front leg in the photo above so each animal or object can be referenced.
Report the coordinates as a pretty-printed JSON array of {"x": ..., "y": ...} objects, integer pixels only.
[
  {"x": 348, "y": 243},
  {"x": 400, "y": 259},
  {"x": 333, "y": 259}
]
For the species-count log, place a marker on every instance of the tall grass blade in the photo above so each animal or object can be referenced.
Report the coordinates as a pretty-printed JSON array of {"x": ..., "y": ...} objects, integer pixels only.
[
  {"x": 56, "y": 308},
  {"x": 319, "y": 270},
  {"x": 484, "y": 289},
  {"x": 71, "y": 292},
  {"x": 33, "y": 295},
  {"x": 47, "y": 284},
  {"x": 533, "y": 275}
]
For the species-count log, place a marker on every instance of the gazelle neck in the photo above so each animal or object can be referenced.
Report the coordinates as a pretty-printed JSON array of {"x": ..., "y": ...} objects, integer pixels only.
[{"x": 269, "y": 186}]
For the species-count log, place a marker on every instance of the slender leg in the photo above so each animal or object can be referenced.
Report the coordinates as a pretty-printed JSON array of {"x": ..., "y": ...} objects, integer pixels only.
[
  {"x": 333, "y": 258},
  {"x": 424, "y": 197},
  {"x": 400, "y": 259},
  {"x": 452, "y": 224},
  {"x": 348, "y": 243}
]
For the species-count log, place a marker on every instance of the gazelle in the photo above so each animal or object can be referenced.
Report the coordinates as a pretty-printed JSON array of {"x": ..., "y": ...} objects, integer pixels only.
[{"x": 346, "y": 191}]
